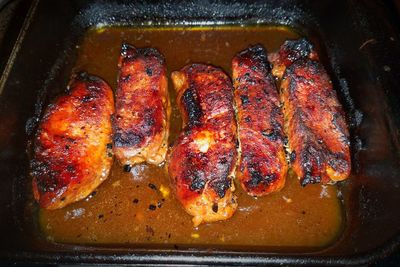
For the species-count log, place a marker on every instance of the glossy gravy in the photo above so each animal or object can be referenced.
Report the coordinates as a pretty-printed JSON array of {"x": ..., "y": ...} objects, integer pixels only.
[{"x": 138, "y": 206}]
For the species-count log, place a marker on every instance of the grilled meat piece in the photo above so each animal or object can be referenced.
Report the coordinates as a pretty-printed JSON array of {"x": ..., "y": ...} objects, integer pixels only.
[
  {"x": 141, "y": 121},
  {"x": 318, "y": 137},
  {"x": 262, "y": 164},
  {"x": 203, "y": 159},
  {"x": 290, "y": 51},
  {"x": 72, "y": 146}
]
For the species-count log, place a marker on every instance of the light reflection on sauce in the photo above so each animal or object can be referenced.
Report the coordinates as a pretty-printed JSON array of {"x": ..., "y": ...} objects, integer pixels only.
[{"x": 139, "y": 207}]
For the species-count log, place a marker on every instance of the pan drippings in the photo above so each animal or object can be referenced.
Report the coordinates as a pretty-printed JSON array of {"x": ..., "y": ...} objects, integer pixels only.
[{"x": 136, "y": 205}]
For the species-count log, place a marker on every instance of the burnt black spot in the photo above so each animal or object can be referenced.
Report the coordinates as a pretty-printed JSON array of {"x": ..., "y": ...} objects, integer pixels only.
[
  {"x": 86, "y": 98},
  {"x": 246, "y": 76},
  {"x": 314, "y": 67},
  {"x": 152, "y": 186},
  {"x": 62, "y": 199},
  {"x": 198, "y": 183},
  {"x": 192, "y": 105},
  {"x": 247, "y": 119},
  {"x": 259, "y": 52},
  {"x": 109, "y": 154},
  {"x": 221, "y": 186},
  {"x": 292, "y": 156},
  {"x": 127, "y": 139},
  {"x": 244, "y": 99},
  {"x": 338, "y": 122},
  {"x": 297, "y": 49},
  {"x": 257, "y": 178},
  {"x": 312, "y": 157},
  {"x": 70, "y": 168},
  {"x": 151, "y": 52},
  {"x": 109, "y": 146},
  {"x": 135, "y": 201},
  {"x": 292, "y": 83},
  {"x": 47, "y": 181},
  {"x": 215, "y": 207},
  {"x": 223, "y": 161},
  {"x": 101, "y": 216},
  {"x": 309, "y": 179},
  {"x": 152, "y": 207},
  {"x": 269, "y": 178},
  {"x": 285, "y": 140},
  {"x": 276, "y": 110},
  {"x": 148, "y": 118},
  {"x": 127, "y": 168},
  {"x": 187, "y": 131},
  {"x": 67, "y": 147},
  {"x": 338, "y": 162},
  {"x": 149, "y": 71},
  {"x": 271, "y": 134},
  {"x": 159, "y": 204}
]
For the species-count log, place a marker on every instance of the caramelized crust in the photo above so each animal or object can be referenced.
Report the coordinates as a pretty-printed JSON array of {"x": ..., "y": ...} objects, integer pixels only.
[
  {"x": 290, "y": 51},
  {"x": 72, "y": 145},
  {"x": 202, "y": 161},
  {"x": 262, "y": 163},
  {"x": 314, "y": 123},
  {"x": 141, "y": 121}
]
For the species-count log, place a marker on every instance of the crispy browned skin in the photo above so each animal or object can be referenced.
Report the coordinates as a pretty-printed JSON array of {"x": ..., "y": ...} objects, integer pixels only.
[
  {"x": 318, "y": 136},
  {"x": 202, "y": 161},
  {"x": 141, "y": 122},
  {"x": 262, "y": 165},
  {"x": 290, "y": 51},
  {"x": 72, "y": 147}
]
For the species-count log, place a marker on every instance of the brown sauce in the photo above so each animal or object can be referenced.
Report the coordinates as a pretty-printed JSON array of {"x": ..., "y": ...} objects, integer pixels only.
[{"x": 129, "y": 207}]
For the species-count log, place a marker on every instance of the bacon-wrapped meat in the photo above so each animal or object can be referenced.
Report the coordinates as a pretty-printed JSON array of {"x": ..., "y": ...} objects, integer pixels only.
[
  {"x": 202, "y": 161},
  {"x": 318, "y": 137},
  {"x": 141, "y": 121},
  {"x": 262, "y": 165},
  {"x": 72, "y": 146}
]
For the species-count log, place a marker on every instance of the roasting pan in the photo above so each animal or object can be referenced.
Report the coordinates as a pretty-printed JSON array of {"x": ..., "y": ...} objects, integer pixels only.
[{"x": 361, "y": 42}]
